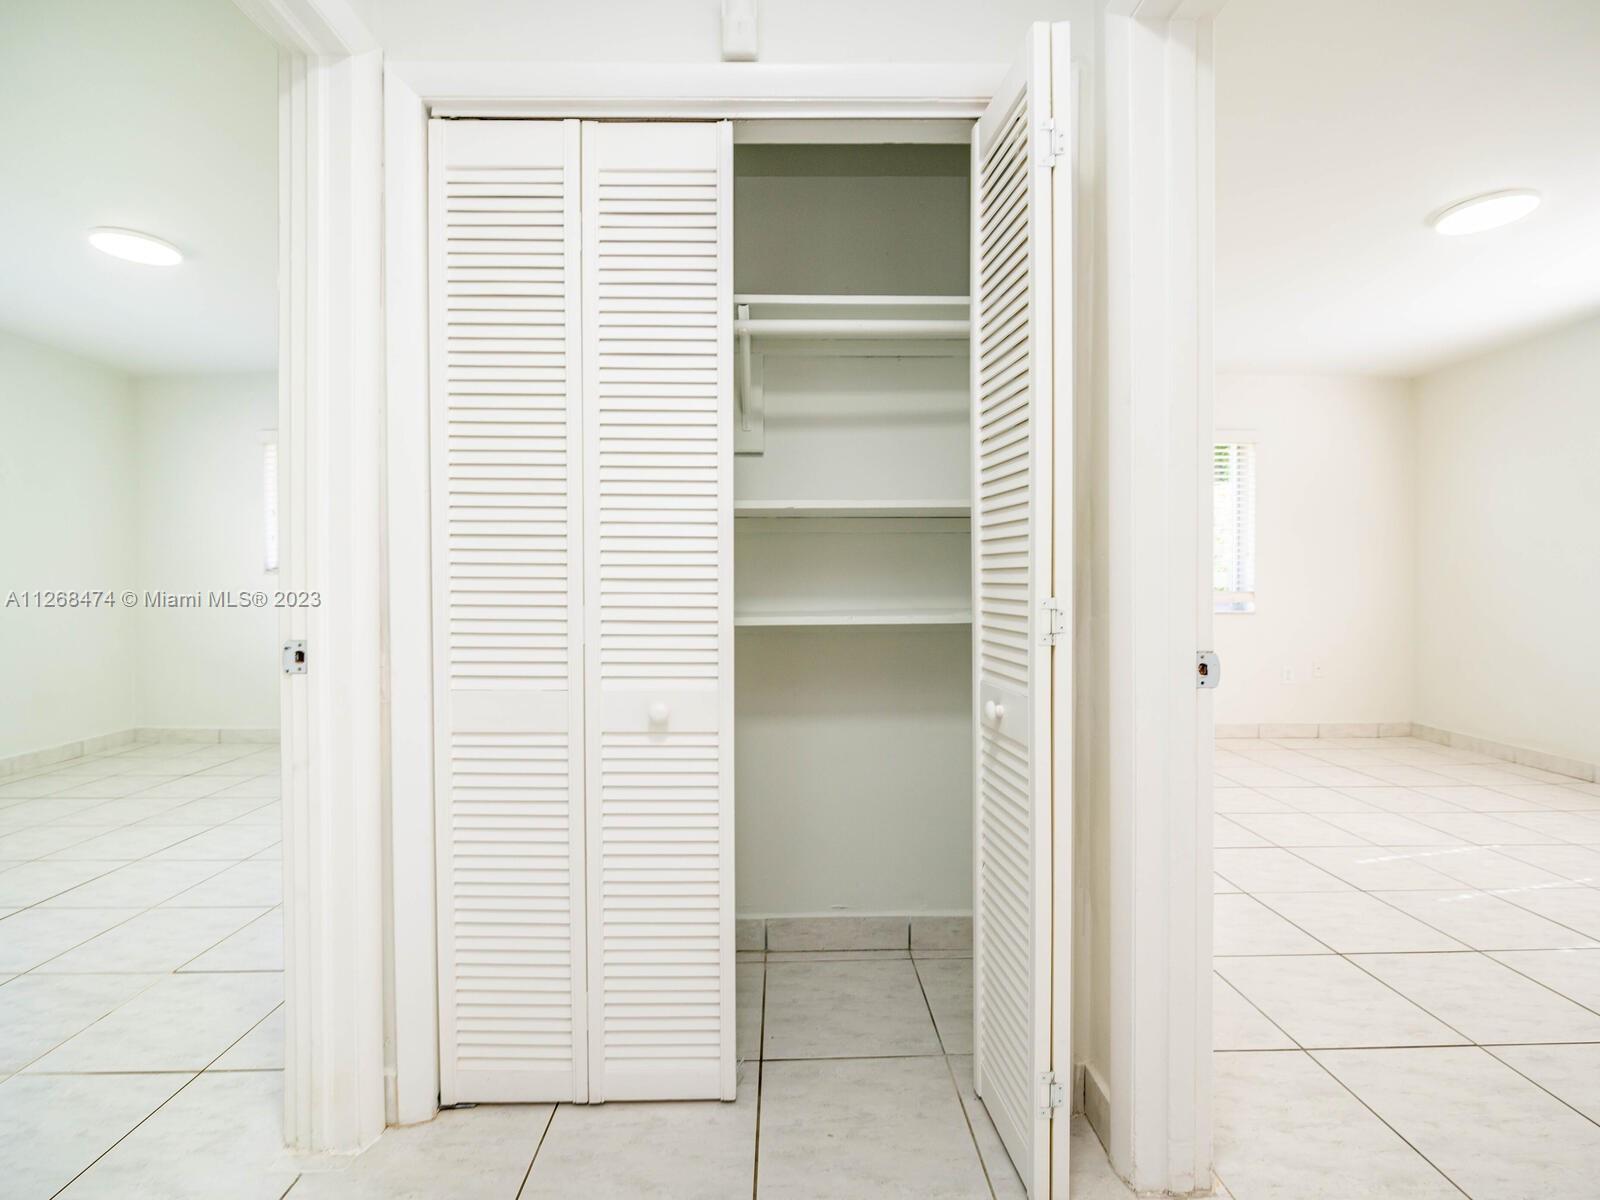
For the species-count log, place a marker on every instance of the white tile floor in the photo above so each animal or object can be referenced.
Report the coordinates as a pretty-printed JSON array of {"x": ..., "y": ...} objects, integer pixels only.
[
  {"x": 141, "y": 1035},
  {"x": 1407, "y": 1005},
  {"x": 1408, "y": 974}
]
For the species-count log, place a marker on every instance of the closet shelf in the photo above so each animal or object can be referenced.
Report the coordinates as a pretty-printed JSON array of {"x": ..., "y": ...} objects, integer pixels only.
[
  {"x": 852, "y": 508},
  {"x": 920, "y": 617}
]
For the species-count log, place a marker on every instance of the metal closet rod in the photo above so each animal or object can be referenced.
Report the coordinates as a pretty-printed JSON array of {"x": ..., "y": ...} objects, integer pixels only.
[
  {"x": 942, "y": 301},
  {"x": 847, "y": 327},
  {"x": 851, "y": 327}
]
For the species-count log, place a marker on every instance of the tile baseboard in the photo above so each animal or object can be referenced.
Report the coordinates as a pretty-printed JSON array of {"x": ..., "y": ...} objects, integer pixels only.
[
  {"x": 1521, "y": 755},
  {"x": 1331, "y": 729},
  {"x": 855, "y": 932},
  {"x": 54, "y": 756},
  {"x": 179, "y": 734},
  {"x": 1094, "y": 1101},
  {"x": 51, "y": 756}
]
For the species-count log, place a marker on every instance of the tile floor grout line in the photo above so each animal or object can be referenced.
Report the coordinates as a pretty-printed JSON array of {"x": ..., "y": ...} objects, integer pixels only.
[
  {"x": 538, "y": 1146},
  {"x": 1466, "y": 949},
  {"x": 140, "y": 1123},
  {"x": 966, "y": 1118},
  {"x": 161, "y": 781},
  {"x": 120, "y": 863},
  {"x": 761, "y": 1074},
  {"x": 1379, "y": 1116},
  {"x": 972, "y": 1133},
  {"x": 1415, "y": 1004},
  {"x": 1423, "y": 920},
  {"x": 262, "y": 916},
  {"x": 228, "y": 865},
  {"x": 1490, "y": 954},
  {"x": 1233, "y": 987},
  {"x": 1490, "y": 1051}
]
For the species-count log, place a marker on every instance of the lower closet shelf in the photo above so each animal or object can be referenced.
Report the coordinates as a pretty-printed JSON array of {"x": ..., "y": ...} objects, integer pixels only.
[{"x": 919, "y": 617}]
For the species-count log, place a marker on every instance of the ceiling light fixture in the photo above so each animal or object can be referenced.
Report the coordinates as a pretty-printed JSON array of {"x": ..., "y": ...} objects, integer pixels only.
[
  {"x": 135, "y": 247},
  {"x": 1485, "y": 212}
]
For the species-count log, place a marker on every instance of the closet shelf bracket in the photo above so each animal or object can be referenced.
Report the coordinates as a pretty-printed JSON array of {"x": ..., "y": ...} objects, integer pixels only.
[{"x": 749, "y": 427}]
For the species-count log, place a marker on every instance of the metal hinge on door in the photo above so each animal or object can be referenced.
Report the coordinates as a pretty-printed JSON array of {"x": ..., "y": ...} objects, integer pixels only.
[
  {"x": 1052, "y": 1094},
  {"x": 1052, "y": 142},
  {"x": 1055, "y": 622}
]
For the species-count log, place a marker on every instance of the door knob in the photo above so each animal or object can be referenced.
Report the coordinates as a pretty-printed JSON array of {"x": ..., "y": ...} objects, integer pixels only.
[
  {"x": 994, "y": 713},
  {"x": 658, "y": 713}
]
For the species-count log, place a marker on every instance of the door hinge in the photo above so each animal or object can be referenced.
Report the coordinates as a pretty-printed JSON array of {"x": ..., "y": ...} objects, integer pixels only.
[
  {"x": 1207, "y": 669},
  {"x": 1055, "y": 622},
  {"x": 294, "y": 657},
  {"x": 1052, "y": 142},
  {"x": 1052, "y": 1094}
]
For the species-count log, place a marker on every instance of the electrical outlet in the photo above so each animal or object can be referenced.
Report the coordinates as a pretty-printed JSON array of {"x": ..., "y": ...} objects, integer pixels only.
[
  {"x": 1316, "y": 670},
  {"x": 1288, "y": 675}
]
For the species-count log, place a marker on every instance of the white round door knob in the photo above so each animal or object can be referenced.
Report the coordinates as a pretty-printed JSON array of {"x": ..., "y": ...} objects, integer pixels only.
[
  {"x": 658, "y": 713},
  {"x": 993, "y": 712}
]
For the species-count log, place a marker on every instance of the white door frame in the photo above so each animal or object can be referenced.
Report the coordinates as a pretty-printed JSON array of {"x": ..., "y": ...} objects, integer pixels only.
[
  {"x": 362, "y": 1026},
  {"x": 1154, "y": 199},
  {"x": 717, "y": 91},
  {"x": 330, "y": 387}
]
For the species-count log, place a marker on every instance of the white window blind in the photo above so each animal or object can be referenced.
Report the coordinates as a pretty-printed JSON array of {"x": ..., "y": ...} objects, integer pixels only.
[
  {"x": 1233, "y": 491},
  {"x": 269, "y": 495}
]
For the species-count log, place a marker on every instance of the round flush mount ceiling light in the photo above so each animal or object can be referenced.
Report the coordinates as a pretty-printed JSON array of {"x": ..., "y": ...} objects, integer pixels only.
[
  {"x": 1485, "y": 212},
  {"x": 135, "y": 247}
]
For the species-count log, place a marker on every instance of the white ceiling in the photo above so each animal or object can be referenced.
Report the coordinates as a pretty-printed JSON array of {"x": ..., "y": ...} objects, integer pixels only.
[
  {"x": 157, "y": 115},
  {"x": 1342, "y": 124}
]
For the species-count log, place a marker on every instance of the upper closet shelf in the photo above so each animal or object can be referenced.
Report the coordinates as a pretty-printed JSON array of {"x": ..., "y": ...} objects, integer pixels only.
[
  {"x": 852, "y": 508},
  {"x": 934, "y": 317}
]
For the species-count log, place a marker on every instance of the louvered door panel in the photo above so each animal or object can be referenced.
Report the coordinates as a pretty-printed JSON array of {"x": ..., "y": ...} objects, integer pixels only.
[
  {"x": 659, "y": 644},
  {"x": 505, "y": 357},
  {"x": 1011, "y": 533}
]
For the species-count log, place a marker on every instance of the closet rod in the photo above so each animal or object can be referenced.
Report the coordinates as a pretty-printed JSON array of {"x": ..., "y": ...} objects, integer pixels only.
[
  {"x": 848, "y": 327},
  {"x": 868, "y": 301}
]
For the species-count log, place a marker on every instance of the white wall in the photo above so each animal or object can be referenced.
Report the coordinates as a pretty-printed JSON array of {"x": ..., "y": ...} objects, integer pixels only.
[
  {"x": 670, "y": 31},
  {"x": 108, "y": 482},
  {"x": 1334, "y": 549},
  {"x": 201, "y": 527},
  {"x": 66, "y": 522},
  {"x": 854, "y": 770},
  {"x": 1508, "y": 616}
]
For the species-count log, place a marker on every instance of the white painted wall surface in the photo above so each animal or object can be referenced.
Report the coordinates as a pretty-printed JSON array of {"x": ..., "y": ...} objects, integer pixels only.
[
  {"x": 66, "y": 477},
  {"x": 1335, "y": 547},
  {"x": 675, "y": 31},
  {"x": 202, "y": 528},
  {"x": 1508, "y": 617},
  {"x": 854, "y": 770},
  {"x": 108, "y": 482}
]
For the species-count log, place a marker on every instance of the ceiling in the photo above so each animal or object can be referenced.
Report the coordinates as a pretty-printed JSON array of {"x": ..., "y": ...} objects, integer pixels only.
[
  {"x": 156, "y": 115},
  {"x": 1342, "y": 124}
]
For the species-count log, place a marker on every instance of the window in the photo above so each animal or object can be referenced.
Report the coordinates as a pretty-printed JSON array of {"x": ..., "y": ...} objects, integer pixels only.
[
  {"x": 1233, "y": 526},
  {"x": 269, "y": 495}
]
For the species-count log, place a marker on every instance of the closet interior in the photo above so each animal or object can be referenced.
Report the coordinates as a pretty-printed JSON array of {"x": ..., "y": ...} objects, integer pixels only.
[{"x": 852, "y": 544}]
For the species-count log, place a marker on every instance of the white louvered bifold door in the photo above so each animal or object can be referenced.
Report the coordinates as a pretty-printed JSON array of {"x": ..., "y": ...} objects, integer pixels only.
[
  {"x": 1014, "y": 391},
  {"x": 507, "y": 563},
  {"x": 657, "y": 213}
]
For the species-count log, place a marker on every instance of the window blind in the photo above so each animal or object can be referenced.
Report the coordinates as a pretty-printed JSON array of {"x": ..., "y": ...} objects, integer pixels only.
[
  {"x": 1233, "y": 488},
  {"x": 269, "y": 494}
]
